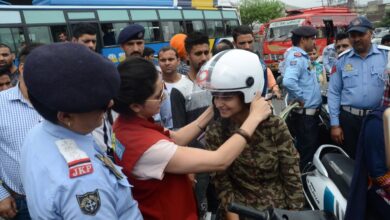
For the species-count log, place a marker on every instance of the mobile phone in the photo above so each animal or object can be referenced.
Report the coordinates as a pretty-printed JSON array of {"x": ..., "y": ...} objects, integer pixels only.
[{"x": 386, "y": 130}]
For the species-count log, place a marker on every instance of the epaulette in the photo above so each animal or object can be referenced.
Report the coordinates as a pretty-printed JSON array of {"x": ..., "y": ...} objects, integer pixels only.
[
  {"x": 345, "y": 52},
  {"x": 79, "y": 163},
  {"x": 383, "y": 47},
  {"x": 297, "y": 54}
]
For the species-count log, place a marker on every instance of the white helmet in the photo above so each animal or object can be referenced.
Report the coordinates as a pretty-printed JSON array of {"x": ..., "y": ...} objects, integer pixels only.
[{"x": 233, "y": 70}]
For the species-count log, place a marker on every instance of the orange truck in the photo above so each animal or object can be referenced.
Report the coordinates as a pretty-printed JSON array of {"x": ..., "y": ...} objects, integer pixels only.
[{"x": 327, "y": 20}]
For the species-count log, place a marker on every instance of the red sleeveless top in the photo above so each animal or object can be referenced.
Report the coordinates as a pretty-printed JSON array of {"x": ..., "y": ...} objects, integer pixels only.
[{"x": 171, "y": 198}]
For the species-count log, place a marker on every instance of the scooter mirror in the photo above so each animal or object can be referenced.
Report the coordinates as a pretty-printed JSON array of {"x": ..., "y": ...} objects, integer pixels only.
[{"x": 386, "y": 126}]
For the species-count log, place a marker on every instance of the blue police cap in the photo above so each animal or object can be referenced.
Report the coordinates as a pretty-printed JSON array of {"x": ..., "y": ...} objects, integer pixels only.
[
  {"x": 131, "y": 32},
  {"x": 360, "y": 24},
  {"x": 71, "y": 78},
  {"x": 305, "y": 31}
]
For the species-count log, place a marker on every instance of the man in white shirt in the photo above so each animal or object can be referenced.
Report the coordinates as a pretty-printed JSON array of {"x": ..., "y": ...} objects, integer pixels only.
[{"x": 168, "y": 60}]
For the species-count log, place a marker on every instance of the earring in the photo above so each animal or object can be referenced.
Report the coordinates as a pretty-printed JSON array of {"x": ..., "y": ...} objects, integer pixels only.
[{"x": 69, "y": 124}]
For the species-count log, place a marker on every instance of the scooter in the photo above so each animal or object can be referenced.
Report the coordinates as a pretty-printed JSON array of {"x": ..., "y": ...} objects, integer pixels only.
[{"x": 327, "y": 180}]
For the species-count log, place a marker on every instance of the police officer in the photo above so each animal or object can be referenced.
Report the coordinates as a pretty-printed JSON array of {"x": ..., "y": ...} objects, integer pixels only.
[
  {"x": 131, "y": 39},
  {"x": 300, "y": 80},
  {"x": 356, "y": 87},
  {"x": 65, "y": 174}
]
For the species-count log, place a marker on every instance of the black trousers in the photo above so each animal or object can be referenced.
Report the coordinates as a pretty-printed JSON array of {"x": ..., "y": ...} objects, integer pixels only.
[
  {"x": 351, "y": 125},
  {"x": 305, "y": 130}
]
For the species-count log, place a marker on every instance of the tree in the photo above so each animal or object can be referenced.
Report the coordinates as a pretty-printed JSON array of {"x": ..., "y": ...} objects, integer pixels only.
[
  {"x": 385, "y": 22},
  {"x": 260, "y": 10}
]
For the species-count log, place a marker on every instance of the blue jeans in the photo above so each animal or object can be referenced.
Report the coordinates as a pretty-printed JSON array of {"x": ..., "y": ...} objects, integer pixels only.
[{"x": 23, "y": 214}]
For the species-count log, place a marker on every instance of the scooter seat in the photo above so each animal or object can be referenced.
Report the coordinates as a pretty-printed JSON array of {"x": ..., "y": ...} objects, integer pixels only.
[{"x": 340, "y": 170}]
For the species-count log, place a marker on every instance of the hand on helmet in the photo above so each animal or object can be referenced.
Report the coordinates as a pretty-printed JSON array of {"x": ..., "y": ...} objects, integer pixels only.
[{"x": 260, "y": 109}]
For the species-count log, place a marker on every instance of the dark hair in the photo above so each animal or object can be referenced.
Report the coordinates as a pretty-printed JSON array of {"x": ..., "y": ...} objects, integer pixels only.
[
  {"x": 385, "y": 38},
  {"x": 4, "y": 71},
  {"x": 6, "y": 46},
  {"x": 295, "y": 39},
  {"x": 195, "y": 38},
  {"x": 138, "y": 79},
  {"x": 83, "y": 28},
  {"x": 45, "y": 111},
  {"x": 227, "y": 44},
  {"x": 341, "y": 36},
  {"x": 168, "y": 48},
  {"x": 27, "y": 50},
  {"x": 241, "y": 30},
  {"x": 148, "y": 51}
]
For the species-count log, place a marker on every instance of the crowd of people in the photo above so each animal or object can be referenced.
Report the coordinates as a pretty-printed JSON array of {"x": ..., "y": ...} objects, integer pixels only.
[{"x": 188, "y": 133}]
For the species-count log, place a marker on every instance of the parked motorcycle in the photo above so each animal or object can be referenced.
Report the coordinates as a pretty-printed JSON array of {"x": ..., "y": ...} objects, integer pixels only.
[{"x": 327, "y": 180}]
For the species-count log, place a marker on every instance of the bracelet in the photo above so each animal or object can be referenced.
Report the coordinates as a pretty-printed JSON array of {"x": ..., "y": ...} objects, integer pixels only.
[{"x": 244, "y": 134}]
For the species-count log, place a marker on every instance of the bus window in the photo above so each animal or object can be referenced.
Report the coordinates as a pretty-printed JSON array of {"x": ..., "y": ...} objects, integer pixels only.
[
  {"x": 215, "y": 29},
  {"x": 170, "y": 28},
  {"x": 98, "y": 42},
  {"x": 60, "y": 33},
  {"x": 194, "y": 21},
  {"x": 192, "y": 26},
  {"x": 280, "y": 32},
  {"x": 320, "y": 33},
  {"x": 152, "y": 30},
  {"x": 110, "y": 32},
  {"x": 230, "y": 25},
  {"x": 39, "y": 34},
  {"x": 13, "y": 37}
]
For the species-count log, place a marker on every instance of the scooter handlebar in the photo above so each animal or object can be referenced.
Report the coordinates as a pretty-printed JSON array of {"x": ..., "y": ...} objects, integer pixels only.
[
  {"x": 280, "y": 214},
  {"x": 248, "y": 212}
]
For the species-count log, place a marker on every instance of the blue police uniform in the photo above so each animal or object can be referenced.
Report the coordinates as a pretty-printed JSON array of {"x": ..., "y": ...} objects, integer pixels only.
[
  {"x": 329, "y": 57},
  {"x": 354, "y": 89},
  {"x": 65, "y": 173},
  {"x": 53, "y": 194},
  {"x": 357, "y": 82},
  {"x": 300, "y": 80}
]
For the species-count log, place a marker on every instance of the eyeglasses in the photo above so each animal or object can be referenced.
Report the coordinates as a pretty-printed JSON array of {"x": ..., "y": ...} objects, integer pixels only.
[{"x": 162, "y": 95}]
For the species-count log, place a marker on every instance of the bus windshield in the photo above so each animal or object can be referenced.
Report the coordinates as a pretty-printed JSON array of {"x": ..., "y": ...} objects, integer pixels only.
[{"x": 282, "y": 29}]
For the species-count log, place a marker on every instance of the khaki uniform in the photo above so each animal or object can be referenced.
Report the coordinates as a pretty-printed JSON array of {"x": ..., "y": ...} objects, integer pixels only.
[{"x": 267, "y": 171}]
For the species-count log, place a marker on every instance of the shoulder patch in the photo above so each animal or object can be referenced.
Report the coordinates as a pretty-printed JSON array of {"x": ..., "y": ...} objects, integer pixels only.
[
  {"x": 89, "y": 202},
  {"x": 383, "y": 47},
  {"x": 297, "y": 54},
  {"x": 345, "y": 52},
  {"x": 78, "y": 161}
]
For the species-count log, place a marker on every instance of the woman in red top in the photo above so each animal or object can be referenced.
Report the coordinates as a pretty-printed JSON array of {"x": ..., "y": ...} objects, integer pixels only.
[{"x": 157, "y": 160}]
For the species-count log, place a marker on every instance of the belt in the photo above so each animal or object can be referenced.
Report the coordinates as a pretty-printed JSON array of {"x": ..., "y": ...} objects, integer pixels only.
[
  {"x": 307, "y": 111},
  {"x": 356, "y": 111},
  {"x": 14, "y": 194}
]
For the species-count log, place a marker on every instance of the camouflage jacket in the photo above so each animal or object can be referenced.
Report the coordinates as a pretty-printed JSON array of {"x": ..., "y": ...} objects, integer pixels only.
[{"x": 267, "y": 171}]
